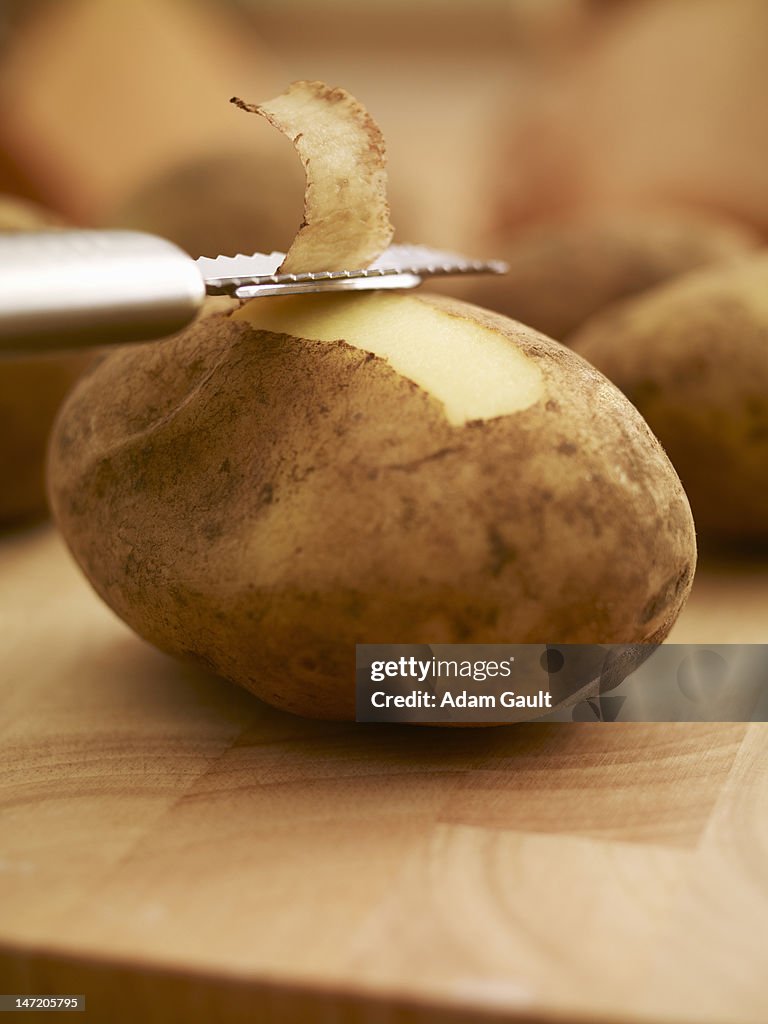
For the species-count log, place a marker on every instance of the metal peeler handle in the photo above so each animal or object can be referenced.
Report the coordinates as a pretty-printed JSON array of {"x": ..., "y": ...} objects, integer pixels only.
[{"x": 74, "y": 289}]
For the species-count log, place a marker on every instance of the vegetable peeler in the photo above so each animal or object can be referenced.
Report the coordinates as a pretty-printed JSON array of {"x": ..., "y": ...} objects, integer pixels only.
[{"x": 73, "y": 289}]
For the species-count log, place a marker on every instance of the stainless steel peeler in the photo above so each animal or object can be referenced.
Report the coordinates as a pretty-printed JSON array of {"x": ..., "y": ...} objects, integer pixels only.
[{"x": 73, "y": 289}]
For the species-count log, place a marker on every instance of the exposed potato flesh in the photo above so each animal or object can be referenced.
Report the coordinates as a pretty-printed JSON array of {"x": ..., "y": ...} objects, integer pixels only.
[
  {"x": 346, "y": 216},
  {"x": 473, "y": 371}
]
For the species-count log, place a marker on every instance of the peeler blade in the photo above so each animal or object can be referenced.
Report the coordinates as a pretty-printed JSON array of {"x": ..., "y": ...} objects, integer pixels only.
[{"x": 400, "y": 266}]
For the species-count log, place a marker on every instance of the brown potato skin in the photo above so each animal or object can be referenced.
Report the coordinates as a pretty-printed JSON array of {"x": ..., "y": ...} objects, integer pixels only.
[
  {"x": 564, "y": 271},
  {"x": 261, "y": 503},
  {"x": 693, "y": 357}
]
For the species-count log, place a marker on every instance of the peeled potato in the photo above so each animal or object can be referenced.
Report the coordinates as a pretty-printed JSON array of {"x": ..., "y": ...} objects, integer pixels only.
[
  {"x": 269, "y": 488},
  {"x": 31, "y": 391},
  {"x": 693, "y": 357},
  {"x": 562, "y": 272},
  {"x": 259, "y": 495}
]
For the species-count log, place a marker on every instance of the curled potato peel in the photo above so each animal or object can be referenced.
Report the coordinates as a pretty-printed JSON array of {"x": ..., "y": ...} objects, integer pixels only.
[{"x": 346, "y": 215}]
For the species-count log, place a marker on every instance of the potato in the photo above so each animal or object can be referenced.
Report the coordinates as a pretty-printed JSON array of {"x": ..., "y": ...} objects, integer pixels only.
[
  {"x": 564, "y": 271},
  {"x": 259, "y": 495},
  {"x": 693, "y": 357},
  {"x": 31, "y": 391}
]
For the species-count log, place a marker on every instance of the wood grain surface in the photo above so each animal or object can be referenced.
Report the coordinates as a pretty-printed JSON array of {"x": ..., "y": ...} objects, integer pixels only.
[{"x": 175, "y": 850}]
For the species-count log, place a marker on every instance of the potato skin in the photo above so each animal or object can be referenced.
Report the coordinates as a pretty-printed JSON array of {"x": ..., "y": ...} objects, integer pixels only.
[
  {"x": 693, "y": 357},
  {"x": 261, "y": 503},
  {"x": 564, "y": 271}
]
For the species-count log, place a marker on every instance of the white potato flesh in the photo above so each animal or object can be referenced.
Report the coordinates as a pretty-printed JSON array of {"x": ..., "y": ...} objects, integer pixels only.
[{"x": 475, "y": 372}]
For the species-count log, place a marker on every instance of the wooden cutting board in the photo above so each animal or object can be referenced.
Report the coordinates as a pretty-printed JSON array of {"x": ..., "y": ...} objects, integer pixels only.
[{"x": 175, "y": 850}]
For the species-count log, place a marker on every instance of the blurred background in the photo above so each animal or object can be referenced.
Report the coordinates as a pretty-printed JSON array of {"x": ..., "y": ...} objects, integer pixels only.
[
  {"x": 497, "y": 114},
  {"x": 601, "y": 146}
]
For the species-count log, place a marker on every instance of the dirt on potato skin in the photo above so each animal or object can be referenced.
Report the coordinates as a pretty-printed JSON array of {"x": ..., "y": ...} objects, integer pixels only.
[{"x": 261, "y": 503}]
